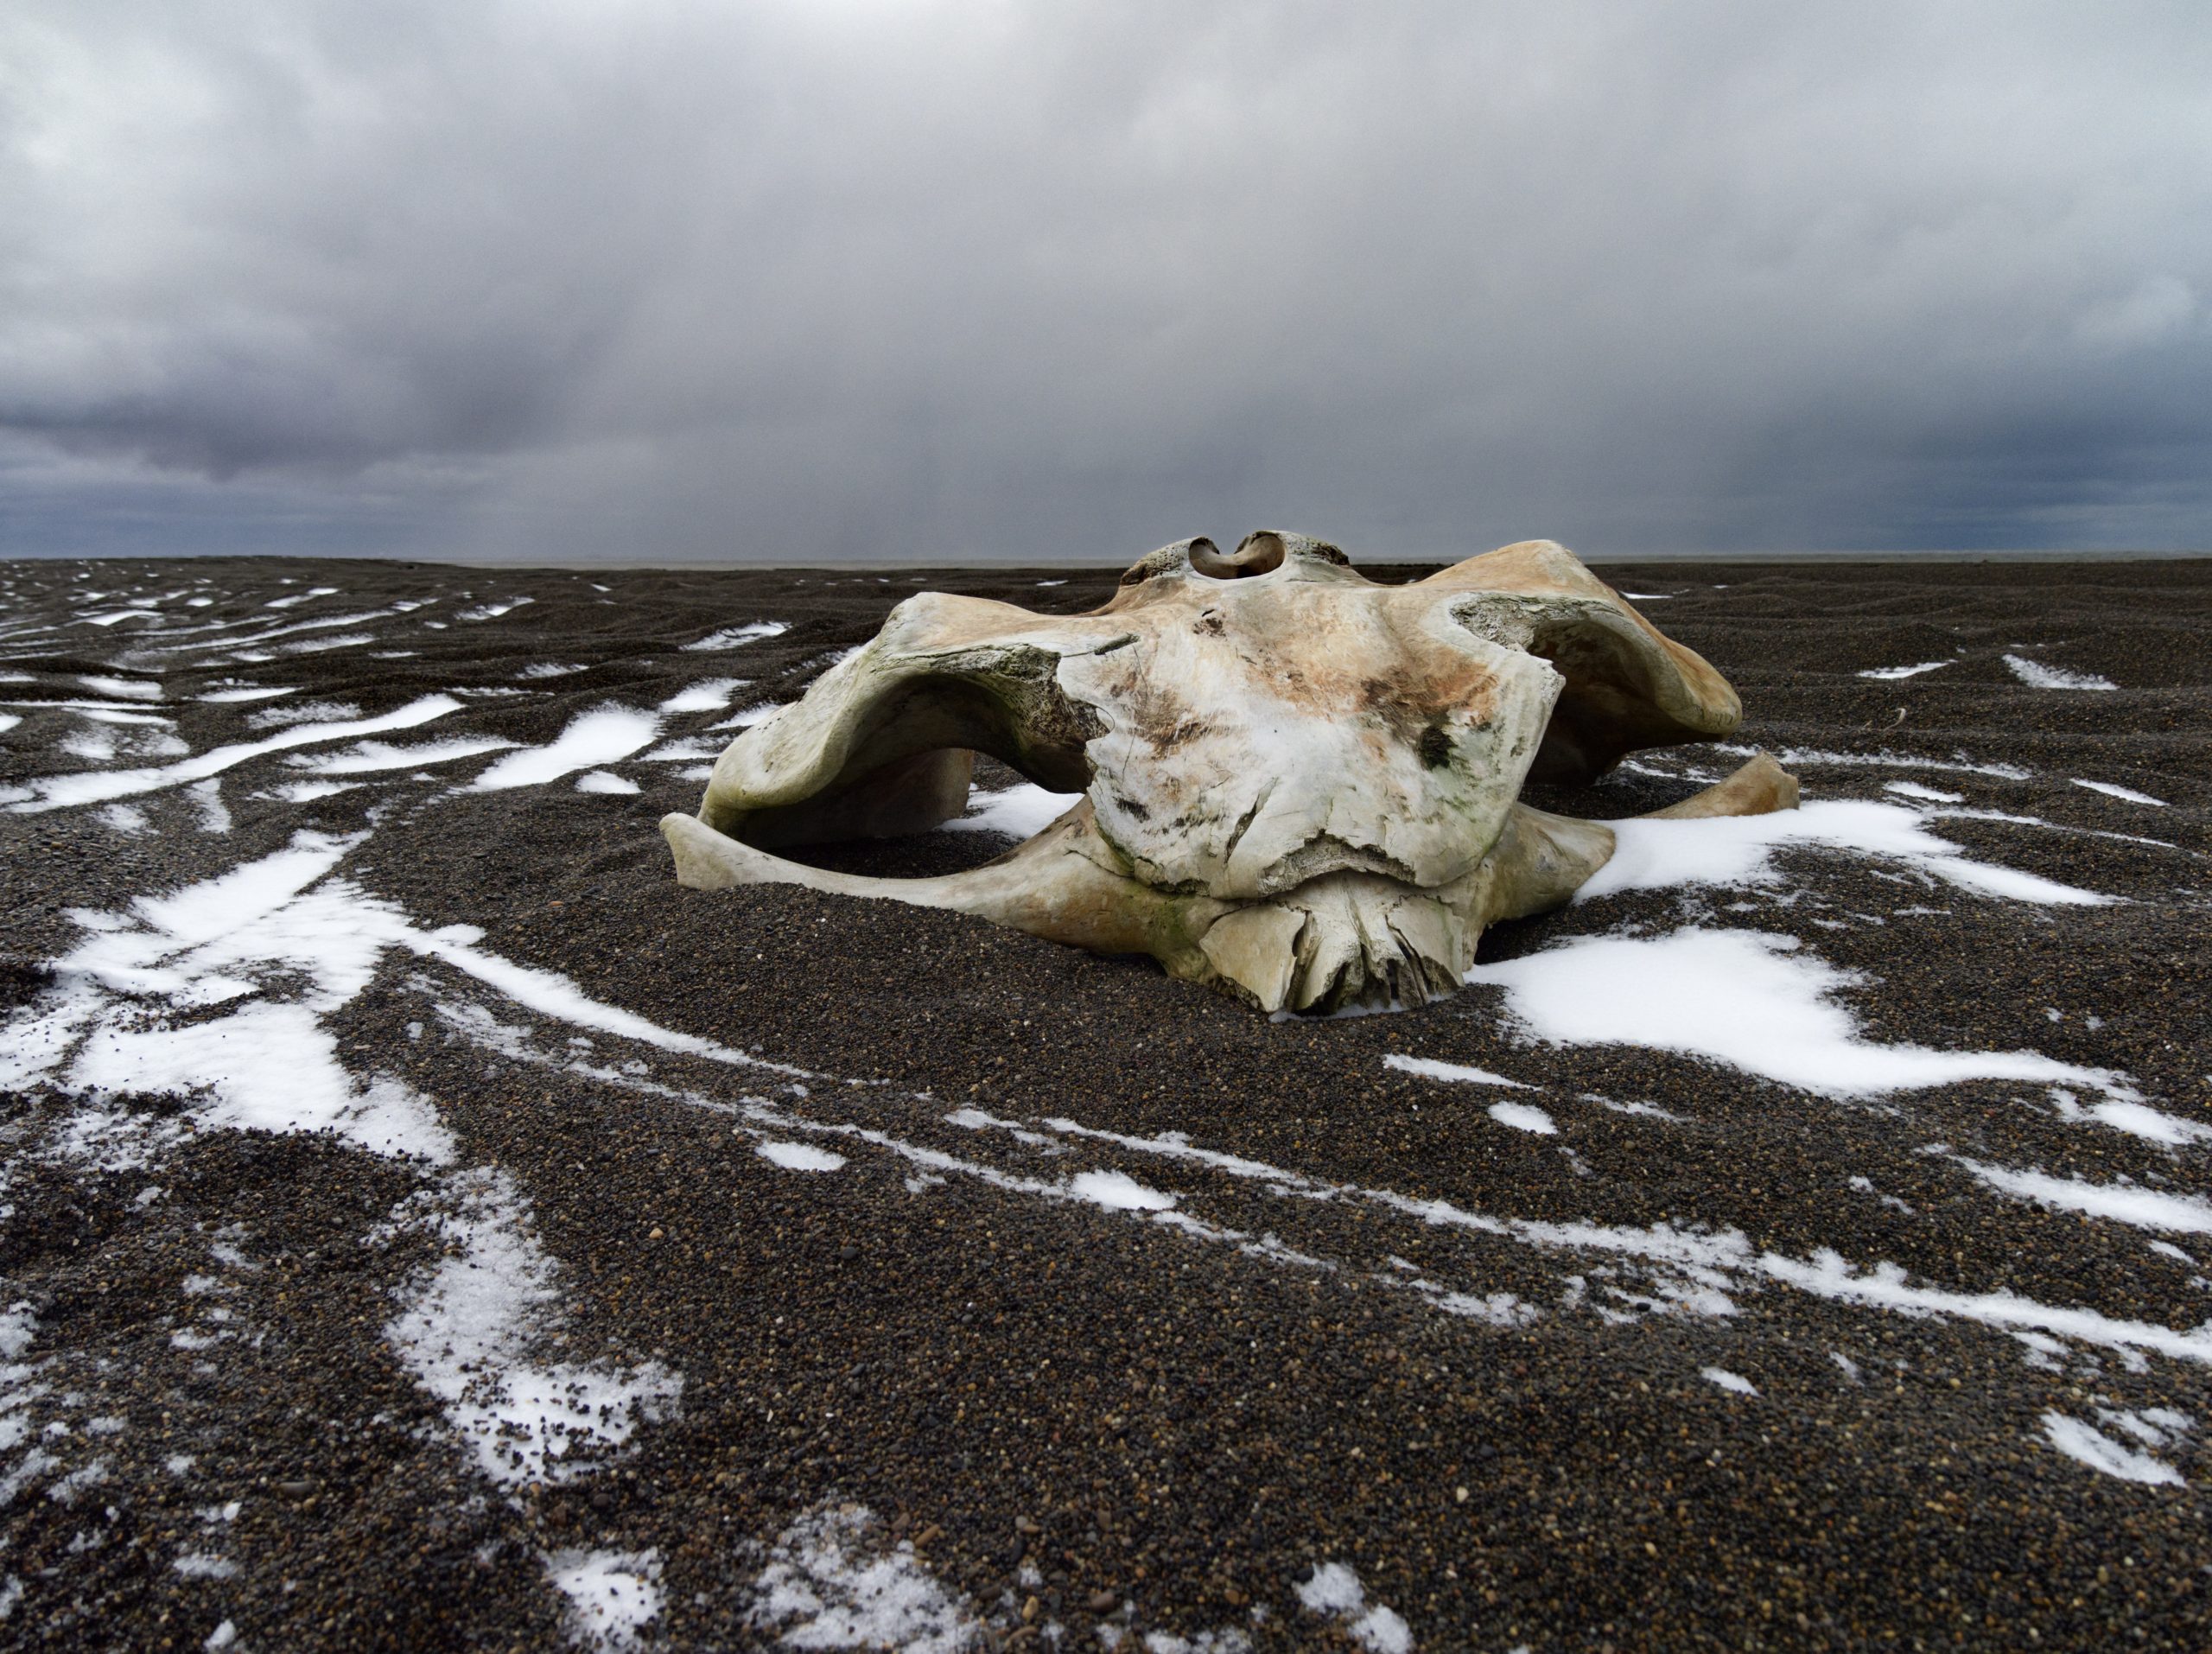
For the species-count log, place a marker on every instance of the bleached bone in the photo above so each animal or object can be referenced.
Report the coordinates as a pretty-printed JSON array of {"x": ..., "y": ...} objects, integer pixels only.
[{"x": 1299, "y": 785}]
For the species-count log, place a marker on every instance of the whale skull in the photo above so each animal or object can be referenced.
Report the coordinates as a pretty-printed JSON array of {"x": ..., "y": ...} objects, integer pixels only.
[{"x": 1298, "y": 786}]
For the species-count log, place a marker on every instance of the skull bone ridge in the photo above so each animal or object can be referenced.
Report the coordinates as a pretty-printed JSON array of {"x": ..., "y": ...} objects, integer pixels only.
[{"x": 1298, "y": 786}]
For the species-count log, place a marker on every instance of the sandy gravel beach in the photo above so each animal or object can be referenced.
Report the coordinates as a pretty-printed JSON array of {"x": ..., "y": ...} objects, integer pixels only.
[{"x": 425, "y": 1225}]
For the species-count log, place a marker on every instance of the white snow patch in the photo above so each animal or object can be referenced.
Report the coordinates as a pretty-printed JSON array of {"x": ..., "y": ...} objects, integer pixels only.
[
  {"x": 1732, "y": 1382},
  {"x": 1744, "y": 998},
  {"x": 93, "y": 745},
  {"x": 1463, "y": 1073},
  {"x": 2036, "y": 675},
  {"x": 734, "y": 637},
  {"x": 280, "y": 717},
  {"x": 221, "y": 1638},
  {"x": 124, "y": 689},
  {"x": 225, "y": 696},
  {"x": 208, "y": 798},
  {"x": 198, "y": 1565},
  {"x": 1738, "y": 851},
  {"x": 1523, "y": 1117},
  {"x": 2092, "y": 1447},
  {"x": 592, "y": 739},
  {"x": 1019, "y": 811},
  {"x": 833, "y": 1583},
  {"x": 2126, "y": 793},
  {"x": 612, "y": 1594},
  {"x": 1117, "y": 1192},
  {"x": 269, "y": 1067},
  {"x": 1893, "y": 674},
  {"x": 749, "y": 716},
  {"x": 799, "y": 1157},
  {"x": 1335, "y": 1592},
  {"x": 709, "y": 695},
  {"x": 606, "y": 781}
]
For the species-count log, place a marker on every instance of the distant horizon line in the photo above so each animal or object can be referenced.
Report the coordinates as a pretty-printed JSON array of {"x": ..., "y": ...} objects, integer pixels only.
[
  {"x": 985, "y": 560},
  {"x": 733, "y": 565}
]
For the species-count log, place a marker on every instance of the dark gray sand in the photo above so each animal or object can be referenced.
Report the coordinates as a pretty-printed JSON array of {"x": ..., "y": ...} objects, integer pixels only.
[{"x": 1718, "y": 1362}]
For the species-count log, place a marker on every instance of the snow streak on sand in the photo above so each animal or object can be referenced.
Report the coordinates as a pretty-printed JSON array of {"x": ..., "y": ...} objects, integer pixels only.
[
  {"x": 1747, "y": 999},
  {"x": 287, "y": 944},
  {"x": 59, "y": 791},
  {"x": 2101, "y": 1453},
  {"x": 1894, "y": 674},
  {"x": 1118, "y": 1192},
  {"x": 1336, "y": 1592},
  {"x": 1523, "y": 1117},
  {"x": 2179, "y": 1214},
  {"x": 736, "y": 636},
  {"x": 373, "y": 756},
  {"x": 493, "y": 611},
  {"x": 592, "y": 739},
  {"x": 612, "y": 1594},
  {"x": 2128, "y": 795},
  {"x": 832, "y": 1581},
  {"x": 1794, "y": 757},
  {"x": 2036, "y": 675},
  {"x": 2136, "y": 1119},
  {"x": 709, "y": 695},
  {"x": 1740, "y": 851},
  {"x": 1430, "y": 1068},
  {"x": 606, "y": 781},
  {"x": 799, "y": 1157},
  {"x": 467, "y": 1337}
]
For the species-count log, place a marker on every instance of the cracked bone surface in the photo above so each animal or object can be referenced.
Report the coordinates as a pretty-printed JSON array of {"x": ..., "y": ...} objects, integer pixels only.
[{"x": 1298, "y": 786}]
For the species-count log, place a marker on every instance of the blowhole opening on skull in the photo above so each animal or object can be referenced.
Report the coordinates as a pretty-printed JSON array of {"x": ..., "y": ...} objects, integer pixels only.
[{"x": 1281, "y": 780}]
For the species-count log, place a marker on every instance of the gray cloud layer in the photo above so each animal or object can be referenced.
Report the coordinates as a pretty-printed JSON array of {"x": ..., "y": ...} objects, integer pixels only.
[{"x": 856, "y": 278}]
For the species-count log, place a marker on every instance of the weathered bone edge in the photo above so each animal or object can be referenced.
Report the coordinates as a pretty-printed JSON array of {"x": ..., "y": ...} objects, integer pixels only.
[{"x": 1301, "y": 787}]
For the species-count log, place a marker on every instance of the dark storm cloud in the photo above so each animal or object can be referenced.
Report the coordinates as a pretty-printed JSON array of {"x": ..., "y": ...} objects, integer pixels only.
[{"x": 869, "y": 279}]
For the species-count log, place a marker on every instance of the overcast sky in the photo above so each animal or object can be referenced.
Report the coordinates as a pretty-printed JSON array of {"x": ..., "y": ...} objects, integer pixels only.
[{"x": 610, "y": 279}]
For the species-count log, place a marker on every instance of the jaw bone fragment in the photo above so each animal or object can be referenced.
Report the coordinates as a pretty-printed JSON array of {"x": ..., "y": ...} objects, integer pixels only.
[{"x": 1300, "y": 787}]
